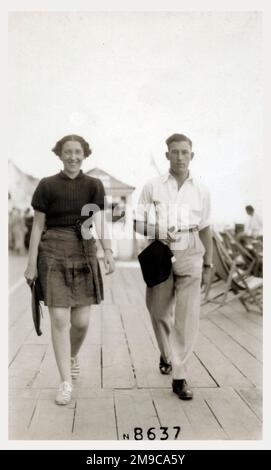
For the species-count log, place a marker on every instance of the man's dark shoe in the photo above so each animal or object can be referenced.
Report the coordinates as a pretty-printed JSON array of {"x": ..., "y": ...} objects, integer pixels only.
[
  {"x": 180, "y": 387},
  {"x": 164, "y": 367}
]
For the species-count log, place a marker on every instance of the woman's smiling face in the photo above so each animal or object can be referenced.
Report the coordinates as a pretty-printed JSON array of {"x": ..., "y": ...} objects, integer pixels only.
[{"x": 72, "y": 156}]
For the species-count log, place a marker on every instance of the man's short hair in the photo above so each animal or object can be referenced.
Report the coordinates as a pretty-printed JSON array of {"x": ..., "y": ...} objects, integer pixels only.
[
  {"x": 249, "y": 209},
  {"x": 178, "y": 138}
]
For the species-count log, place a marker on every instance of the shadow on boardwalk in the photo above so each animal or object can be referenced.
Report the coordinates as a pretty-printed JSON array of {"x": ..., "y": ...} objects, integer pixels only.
[{"x": 120, "y": 386}]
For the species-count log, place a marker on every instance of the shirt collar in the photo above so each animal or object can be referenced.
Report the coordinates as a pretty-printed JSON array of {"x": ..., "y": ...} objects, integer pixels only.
[
  {"x": 66, "y": 177},
  {"x": 169, "y": 175}
]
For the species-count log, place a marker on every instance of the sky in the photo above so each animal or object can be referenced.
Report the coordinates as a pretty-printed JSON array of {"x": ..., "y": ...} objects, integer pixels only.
[{"x": 126, "y": 81}]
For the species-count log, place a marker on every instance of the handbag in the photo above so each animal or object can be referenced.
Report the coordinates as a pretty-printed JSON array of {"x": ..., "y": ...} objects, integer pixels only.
[
  {"x": 36, "y": 296},
  {"x": 156, "y": 263}
]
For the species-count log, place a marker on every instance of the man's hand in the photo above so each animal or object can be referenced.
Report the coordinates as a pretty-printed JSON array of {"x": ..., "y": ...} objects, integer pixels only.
[
  {"x": 207, "y": 274},
  {"x": 167, "y": 238}
]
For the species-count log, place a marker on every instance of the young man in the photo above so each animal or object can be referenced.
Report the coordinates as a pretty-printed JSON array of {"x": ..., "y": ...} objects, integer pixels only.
[{"x": 175, "y": 208}]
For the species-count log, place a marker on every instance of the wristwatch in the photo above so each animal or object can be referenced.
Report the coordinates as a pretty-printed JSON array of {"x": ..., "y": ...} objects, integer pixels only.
[{"x": 210, "y": 265}]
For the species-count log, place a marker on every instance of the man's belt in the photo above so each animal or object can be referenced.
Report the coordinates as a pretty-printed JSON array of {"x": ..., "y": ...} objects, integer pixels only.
[{"x": 190, "y": 229}]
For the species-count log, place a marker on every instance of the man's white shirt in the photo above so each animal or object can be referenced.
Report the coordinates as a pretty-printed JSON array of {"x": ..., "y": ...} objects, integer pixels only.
[
  {"x": 254, "y": 226},
  {"x": 162, "y": 202}
]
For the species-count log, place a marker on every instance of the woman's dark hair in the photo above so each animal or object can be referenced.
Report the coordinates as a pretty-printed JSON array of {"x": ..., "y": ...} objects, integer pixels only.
[{"x": 75, "y": 138}]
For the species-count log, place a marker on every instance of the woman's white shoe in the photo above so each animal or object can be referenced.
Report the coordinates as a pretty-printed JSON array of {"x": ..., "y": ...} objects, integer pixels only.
[{"x": 64, "y": 394}]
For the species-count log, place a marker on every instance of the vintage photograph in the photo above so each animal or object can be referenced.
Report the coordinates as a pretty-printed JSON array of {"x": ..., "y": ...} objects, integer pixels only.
[{"x": 135, "y": 231}]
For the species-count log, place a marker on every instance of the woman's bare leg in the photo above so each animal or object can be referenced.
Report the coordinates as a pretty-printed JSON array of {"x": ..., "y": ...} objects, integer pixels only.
[
  {"x": 60, "y": 325},
  {"x": 79, "y": 327}
]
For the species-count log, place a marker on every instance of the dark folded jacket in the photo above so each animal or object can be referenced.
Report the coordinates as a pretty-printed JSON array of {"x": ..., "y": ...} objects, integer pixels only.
[
  {"x": 155, "y": 262},
  {"x": 36, "y": 297}
]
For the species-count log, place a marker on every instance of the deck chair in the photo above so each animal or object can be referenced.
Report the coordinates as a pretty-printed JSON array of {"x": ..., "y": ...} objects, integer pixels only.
[
  {"x": 252, "y": 260},
  {"x": 245, "y": 286}
]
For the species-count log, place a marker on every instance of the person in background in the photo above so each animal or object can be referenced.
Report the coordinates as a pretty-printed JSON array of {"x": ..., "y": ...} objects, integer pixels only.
[
  {"x": 18, "y": 232},
  {"x": 253, "y": 225},
  {"x": 11, "y": 216}
]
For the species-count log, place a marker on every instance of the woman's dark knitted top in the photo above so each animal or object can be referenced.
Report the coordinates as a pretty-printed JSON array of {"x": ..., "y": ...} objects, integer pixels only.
[{"x": 62, "y": 198}]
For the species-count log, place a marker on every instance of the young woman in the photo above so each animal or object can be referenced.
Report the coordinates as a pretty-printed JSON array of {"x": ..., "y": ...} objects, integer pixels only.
[{"x": 65, "y": 262}]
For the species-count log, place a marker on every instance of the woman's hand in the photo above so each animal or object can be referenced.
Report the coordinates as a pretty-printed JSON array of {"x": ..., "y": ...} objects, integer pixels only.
[
  {"x": 31, "y": 274},
  {"x": 109, "y": 261}
]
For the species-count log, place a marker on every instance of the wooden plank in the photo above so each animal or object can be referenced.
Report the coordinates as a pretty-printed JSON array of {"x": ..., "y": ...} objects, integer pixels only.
[
  {"x": 19, "y": 304},
  {"x": 47, "y": 376},
  {"x": 116, "y": 361},
  {"x": 134, "y": 408},
  {"x": 145, "y": 358},
  {"x": 90, "y": 368},
  {"x": 136, "y": 298},
  {"x": 214, "y": 302},
  {"x": 95, "y": 417},
  {"x": 16, "y": 267},
  {"x": 236, "y": 418},
  {"x": 51, "y": 421},
  {"x": 197, "y": 375},
  {"x": 207, "y": 308},
  {"x": 246, "y": 340},
  {"x": 94, "y": 335},
  {"x": 24, "y": 393},
  {"x": 21, "y": 323},
  {"x": 253, "y": 398},
  {"x": 25, "y": 367},
  {"x": 118, "y": 292},
  {"x": 243, "y": 321},
  {"x": 171, "y": 413},
  {"x": 252, "y": 315},
  {"x": 21, "y": 408},
  {"x": 16, "y": 339},
  {"x": 247, "y": 364},
  {"x": 201, "y": 418},
  {"x": 217, "y": 289},
  {"x": 137, "y": 275},
  {"x": 131, "y": 287},
  {"x": 219, "y": 367}
]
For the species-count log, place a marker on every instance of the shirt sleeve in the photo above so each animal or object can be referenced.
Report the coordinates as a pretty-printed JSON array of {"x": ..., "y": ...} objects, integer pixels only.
[
  {"x": 40, "y": 198},
  {"x": 206, "y": 211},
  {"x": 99, "y": 197},
  {"x": 145, "y": 203}
]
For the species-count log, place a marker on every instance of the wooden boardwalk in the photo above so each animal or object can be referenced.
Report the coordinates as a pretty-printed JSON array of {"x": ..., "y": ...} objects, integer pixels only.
[{"x": 120, "y": 386}]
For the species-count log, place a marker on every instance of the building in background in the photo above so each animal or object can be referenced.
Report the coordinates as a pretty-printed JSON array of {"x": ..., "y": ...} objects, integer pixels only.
[{"x": 119, "y": 210}]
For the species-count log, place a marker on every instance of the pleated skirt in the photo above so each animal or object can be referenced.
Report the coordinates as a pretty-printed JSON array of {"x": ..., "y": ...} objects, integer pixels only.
[{"x": 68, "y": 269}]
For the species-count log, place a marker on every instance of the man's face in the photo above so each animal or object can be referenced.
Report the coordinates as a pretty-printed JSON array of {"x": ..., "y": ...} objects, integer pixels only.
[{"x": 180, "y": 155}]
